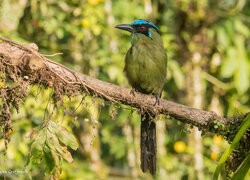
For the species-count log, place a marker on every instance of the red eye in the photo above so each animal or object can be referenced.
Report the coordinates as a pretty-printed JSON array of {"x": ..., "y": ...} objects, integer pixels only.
[{"x": 142, "y": 28}]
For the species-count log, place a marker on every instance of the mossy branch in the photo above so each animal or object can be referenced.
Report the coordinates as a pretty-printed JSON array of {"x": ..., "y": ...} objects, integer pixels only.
[{"x": 23, "y": 64}]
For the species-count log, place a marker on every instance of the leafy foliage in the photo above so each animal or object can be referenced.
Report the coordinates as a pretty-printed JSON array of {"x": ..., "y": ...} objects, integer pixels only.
[
  {"x": 50, "y": 143},
  {"x": 244, "y": 127},
  {"x": 215, "y": 33}
]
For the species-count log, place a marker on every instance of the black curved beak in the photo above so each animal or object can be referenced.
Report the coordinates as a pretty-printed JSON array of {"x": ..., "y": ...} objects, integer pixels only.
[{"x": 126, "y": 27}]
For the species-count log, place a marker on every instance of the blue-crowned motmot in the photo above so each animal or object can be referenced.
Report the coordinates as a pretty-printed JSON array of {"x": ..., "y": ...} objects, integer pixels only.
[{"x": 145, "y": 68}]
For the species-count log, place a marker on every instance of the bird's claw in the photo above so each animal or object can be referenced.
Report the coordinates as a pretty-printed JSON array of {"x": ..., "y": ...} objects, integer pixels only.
[
  {"x": 132, "y": 92},
  {"x": 157, "y": 100}
]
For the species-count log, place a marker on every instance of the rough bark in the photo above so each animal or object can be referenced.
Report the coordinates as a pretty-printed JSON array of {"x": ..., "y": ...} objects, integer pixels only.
[{"x": 35, "y": 68}]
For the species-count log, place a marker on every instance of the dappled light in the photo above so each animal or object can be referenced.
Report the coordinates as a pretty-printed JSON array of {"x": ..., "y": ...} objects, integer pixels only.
[{"x": 66, "y": 106}]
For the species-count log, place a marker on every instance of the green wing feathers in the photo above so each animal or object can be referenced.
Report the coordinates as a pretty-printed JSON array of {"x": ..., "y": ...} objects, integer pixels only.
[{"x": 145, "y": 65}]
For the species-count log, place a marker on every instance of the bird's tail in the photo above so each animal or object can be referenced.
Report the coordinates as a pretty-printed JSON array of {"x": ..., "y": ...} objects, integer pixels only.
[{"x": 148, "y": 143}]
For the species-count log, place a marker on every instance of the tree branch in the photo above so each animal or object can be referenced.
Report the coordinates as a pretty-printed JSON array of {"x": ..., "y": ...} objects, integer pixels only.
[{"x": 24, "y": 64}]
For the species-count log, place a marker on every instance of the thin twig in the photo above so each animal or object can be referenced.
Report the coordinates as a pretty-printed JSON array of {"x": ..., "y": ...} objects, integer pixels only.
[
  {"x": 80, "y": 103},
  {"x": 51, "y": 55}
]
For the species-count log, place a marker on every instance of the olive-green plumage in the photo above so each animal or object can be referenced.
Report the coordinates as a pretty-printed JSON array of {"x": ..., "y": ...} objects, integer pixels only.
[
  {"x": 145, "y": 68},
  {"x": 145, "y": 63}
]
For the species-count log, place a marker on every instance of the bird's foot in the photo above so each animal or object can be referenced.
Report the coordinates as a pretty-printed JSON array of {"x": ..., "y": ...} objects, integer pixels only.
[
  {"x": 132, "y": 92},
  {"x": 157, "y": 100}
]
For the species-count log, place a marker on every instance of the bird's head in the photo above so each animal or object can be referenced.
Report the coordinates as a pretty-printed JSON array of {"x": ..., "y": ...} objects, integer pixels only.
[{"x": 139, "y": 26}]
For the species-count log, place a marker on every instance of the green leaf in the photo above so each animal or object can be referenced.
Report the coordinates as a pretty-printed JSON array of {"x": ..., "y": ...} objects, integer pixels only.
[
  {"x": 243, "y": 128},
  {"x": 35, "y": 155},
  {"x": 53, "y": 143},
  {"x": 242, "y": 75},
  {"x": 39, "y": 139},
  {"x": 49, "y": 160},
  {"x": 34, "y": 158},
  {"x": 223, "y": 39},
  {"x": 244, "y": 168},
  {"x": 177, "y": 74},
  {"x": 229, "y": 64},
  {"x": 64, "y": 136},
  {"x": 240, "y": 27},
  {"x": 36, "y": 152}
]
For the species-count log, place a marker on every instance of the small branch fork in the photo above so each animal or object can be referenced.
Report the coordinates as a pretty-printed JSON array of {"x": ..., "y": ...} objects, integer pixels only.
[{"x": 16, "y": 54}]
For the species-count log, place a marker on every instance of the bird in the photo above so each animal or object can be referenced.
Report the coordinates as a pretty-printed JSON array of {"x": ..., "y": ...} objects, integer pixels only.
[{"x": 145, "y": 69}]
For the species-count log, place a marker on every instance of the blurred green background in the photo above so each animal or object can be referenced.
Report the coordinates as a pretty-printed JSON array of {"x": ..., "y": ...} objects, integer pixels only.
[{"x": 208, "y": 47}]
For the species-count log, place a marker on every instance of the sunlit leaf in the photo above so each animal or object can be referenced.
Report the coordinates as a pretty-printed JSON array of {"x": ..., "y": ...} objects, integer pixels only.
[
  {"x": 240, "y": 27},
  {"x": 65, "y": 154},
  {"x": 242, "y": 76},
  {"x": 63, "y": 134},
  {"x": 229, "y": 64},
  {"x": 53, "y": 143},
  {"x": 39, "y": 140},
  {"x": 222, "y": 38},
  {"x": 177, "y": 74}
]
